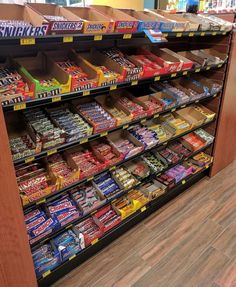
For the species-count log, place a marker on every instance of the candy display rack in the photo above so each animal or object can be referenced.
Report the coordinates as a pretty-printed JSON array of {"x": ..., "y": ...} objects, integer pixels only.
[{"x": 10, "y": 205}]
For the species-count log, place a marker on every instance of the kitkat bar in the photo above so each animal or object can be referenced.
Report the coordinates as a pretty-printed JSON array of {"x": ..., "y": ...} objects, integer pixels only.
[
  {"x": 18, "y": 21},
  {"x": 59, "y": 19},
  {"x": 124, "y": 23},
  {"x": 94, "y": 21},
  {"x": 147, "y": 21}
]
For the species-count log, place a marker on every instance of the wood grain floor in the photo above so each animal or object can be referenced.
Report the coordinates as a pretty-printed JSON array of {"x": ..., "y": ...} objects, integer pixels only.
[{"x": 189, "y": 242}]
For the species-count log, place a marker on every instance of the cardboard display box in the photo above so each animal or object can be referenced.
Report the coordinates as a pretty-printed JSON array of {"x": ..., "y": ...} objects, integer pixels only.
[
  {"x": 197, "y": 61},
  {"x": 63, "y": 56},
  {"x": 213, "y": 86},
  {"x": 59, "y": 20},
  {"x": 192, "y": 116},
  {"x": 147, "y": 20},
  {"x": 94, "y": 21},
  {"x": 32, "y": 26},
  {"x": 153, "y": 189},
  {"x": 40, "y": 69},
  {"x": 165, "y": 25},
  {"x": 123, "y": 23}
]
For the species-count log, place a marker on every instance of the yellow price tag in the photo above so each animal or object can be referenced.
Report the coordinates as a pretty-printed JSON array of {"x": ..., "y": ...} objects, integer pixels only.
[
  {"x": 224, "y": 33},
  {"x": 52, "y": 151},
  {"x": 208, "y": 68},
  {"x": 127, "y": 36},
  {"x": 183, "y": 106},
  {"x": 30, "y": 159},
  {"x": 191, "y": 34},
  {"x": 213, "y": 33},
  {"x": 203, "y": 34},
  {"x": 219, "y": 66},
  {"x": 185, "y": 73},
  {"x": 143, "y": 121},
  {"x": 69, "y": 226},
  {"x": 197, "y": 101},
  {"x": 179, "y": 35},
  {"x": 90, "y": 178},
  {"x": 207, "y": 166},
  {"x": 143, "y": 208},
  {"x": 68, "y": 39},
  {"x": 173, "y": 75},
  {"x": 215, "y": 96},
  {"x": 72, "y": 257},
  {"x": 27, "y": 41},
  {"x": 97, "y": 37},
  {"x": 183, "y": 181},
  {"x": 41, "y": 201},
  {"x": 133, "y": 83},
  {"x": 82, "y": 141},
  {"x": 112, "y": 168},
  {"x": 125, "y": 127},
  {"x": 103, "y": 134},
  {"x": 94, "y": 241},
  {"x": 86, "y": 93},
  {"x": 156, "y": 116},
  {"x": 165, "y": 35},
  {"x": 18, "y": 107},
  {"x": 56, "y": 99},
  {"x": 113, "y": 87},
  {"x": 173, "y": 110},
  {"x": 157, "y": 78},
  {"x": 197, "y": 70},
  {"x": 45, "y": 274},
  {"x": 165, "y": 143}
]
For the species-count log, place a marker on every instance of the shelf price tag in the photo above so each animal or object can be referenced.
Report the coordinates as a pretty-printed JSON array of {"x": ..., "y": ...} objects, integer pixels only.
[
  {"x": 134, "y": 83},
  {"x": 183, "y": 106},
  {"x": 179, "y": 35},
  {"x": 213, "y": 33},
  {"x": 173, "y": 75},
  {"x": 94, "y": 241},
  {"x": 191, "y": 34},
  {"x": 197, "y": 101},
  {"x": 27, "y": 41},
  {"x": 143, "y": 208},
  {"x": 86, "y": 93},
  {"x": 30, "y": 159},
  {"x": 224, "y": 33},
  {"x": 97, "y": 37},
  {"x": 72, "y": 257},
  {"x": 157, "y": 78},
  {"x": 207, "y": 166},
  {"x": 220, "y": 65},
  {"x": 68, "y": 39},
  {"x": 90, "y": 178},
  {"x": 113, "y": 87},
  {"x": 103, "y": 134},
  {"x": 165, "y": 143},
  {"x": 125, "y": 127},
  {"x": 18, "y": 107},
  {"x": 197, "y": 70},
  {"x": 45, "y": 274},
  {"x": 185, "y": 73},
  {"x": 173, "y": 110},
  {"x": 208, "y": 68},
  {"x": 56, "y": 99},
  {"x": 112, "y": 168},
  {"x": 183, "y": 181},
  {"x": 127, "y": 36},
  {"x": 69, "y": 226},
  {"x": 203, "y": 34},
  {"x": 156, "y": 116},
  {"x": 165, "y": 35},
  {"x": 143, "y": 121},
  {"x": 82, "y": 141},
  {"x": 41, "y": 201},
  {"x": 52, "y": 151},
  {"x": 215, "y": 96}
]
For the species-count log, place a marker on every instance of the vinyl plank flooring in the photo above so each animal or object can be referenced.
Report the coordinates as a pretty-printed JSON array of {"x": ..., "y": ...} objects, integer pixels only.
[{"x": 190, "y": 242}]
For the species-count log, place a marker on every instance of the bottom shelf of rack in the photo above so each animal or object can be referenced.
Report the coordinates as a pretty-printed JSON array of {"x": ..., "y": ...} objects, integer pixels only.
[{"x": 117, "y": 231}]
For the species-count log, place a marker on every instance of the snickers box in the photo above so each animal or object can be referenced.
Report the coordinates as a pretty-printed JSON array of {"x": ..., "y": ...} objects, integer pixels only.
[
  {"x": 94, "y": 21},
  {"x": 58, "y": 19},
  {"x": 147, "y": 20},
  {"x": 123, "y": 23},
  {"x": 18, "y": 21}
]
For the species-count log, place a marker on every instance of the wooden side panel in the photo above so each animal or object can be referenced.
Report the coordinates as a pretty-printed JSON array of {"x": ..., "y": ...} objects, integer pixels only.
[
  {"x": 16, "y": 265},
  {"x": 224, "y": 149}
]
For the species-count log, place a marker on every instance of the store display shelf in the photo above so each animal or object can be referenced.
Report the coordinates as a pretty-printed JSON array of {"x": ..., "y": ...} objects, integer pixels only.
[
  {"x": 105, "y": 133},
  {"x": 50, "y": 277},
  {"x": 101, "y": 90},
  {"x": 118, "y": 195},
  {"x": 77, "y": 38}
]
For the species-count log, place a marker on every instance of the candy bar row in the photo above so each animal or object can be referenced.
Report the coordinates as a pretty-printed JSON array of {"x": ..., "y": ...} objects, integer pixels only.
[
  {"x": 35, "y": 19},
  {"x": 41, "y": 179},
  {"x": 45, "y": 128},
  {"x": 57, "y": 72},
  {"x": 65, "y": 245}
]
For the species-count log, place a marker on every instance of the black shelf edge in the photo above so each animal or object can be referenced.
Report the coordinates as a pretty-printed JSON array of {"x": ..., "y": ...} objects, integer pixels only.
[
  {"x": 100, "y": 90},
  {"x": 105, "y": 133},
  {"x": 77, "y": 38},
  {"x": 109, "y": 201},
  {"x": 125, "y": 225},
  {"x": 61, "y": 191}
]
